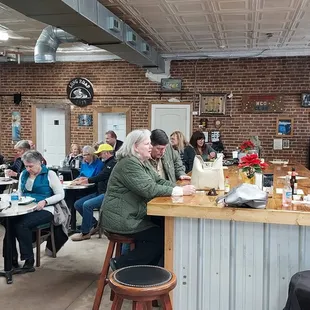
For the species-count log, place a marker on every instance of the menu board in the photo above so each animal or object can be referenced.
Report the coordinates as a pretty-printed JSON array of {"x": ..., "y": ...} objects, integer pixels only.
[{"x": 269, "y": 103}]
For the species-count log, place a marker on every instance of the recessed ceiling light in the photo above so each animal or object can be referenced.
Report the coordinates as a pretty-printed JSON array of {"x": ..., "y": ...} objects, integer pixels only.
[{"x": 4, "y": 36}]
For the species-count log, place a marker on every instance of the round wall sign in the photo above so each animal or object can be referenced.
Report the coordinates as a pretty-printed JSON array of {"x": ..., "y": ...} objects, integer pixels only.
[{"x": 80, "y": 92}]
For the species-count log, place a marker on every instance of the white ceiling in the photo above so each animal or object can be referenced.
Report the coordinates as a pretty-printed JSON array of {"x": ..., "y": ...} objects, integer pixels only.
[{"x": 193, "y": 28}]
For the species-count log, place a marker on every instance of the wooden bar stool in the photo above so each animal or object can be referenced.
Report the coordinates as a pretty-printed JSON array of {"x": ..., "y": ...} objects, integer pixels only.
[
  {"x": 115, "y": 243},
  {"x": 142, "y": 284}
]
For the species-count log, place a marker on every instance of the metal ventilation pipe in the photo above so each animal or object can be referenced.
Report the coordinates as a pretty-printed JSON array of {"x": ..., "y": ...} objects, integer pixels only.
[{"x": 48, "y": 42}]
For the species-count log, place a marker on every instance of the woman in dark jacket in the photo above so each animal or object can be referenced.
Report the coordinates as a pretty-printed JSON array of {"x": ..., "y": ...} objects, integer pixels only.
[
  {"x": 197, "y": 146},
  {"x": 17, "y": 167},
  {"x": 132, "y": 184}
]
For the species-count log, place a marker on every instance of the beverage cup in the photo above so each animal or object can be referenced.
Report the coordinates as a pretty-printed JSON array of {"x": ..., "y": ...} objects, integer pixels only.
[
  {"x": 6, "y": 173},
  {"x": 235, "y": 154}
]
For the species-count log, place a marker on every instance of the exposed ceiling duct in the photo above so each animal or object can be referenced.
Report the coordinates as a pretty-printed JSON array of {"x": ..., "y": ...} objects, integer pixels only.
[
  {"x": 48, "y": 42},
  {"x": 93, "y": 24}
]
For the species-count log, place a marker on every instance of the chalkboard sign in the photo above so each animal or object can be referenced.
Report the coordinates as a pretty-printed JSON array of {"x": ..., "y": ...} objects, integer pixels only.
[{"x": 268, "y": 103}]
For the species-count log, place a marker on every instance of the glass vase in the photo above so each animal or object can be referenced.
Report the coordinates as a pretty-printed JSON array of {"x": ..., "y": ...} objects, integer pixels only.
[{"x": 246, "y": 179}]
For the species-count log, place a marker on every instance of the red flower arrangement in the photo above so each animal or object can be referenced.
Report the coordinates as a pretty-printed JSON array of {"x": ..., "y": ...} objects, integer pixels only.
[
  {"x": 250, "y": 164},
  {"x": 247, "y": 145}
]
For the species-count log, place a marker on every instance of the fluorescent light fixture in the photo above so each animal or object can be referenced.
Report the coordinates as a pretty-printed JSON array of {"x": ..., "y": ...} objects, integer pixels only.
[{"x": 4, "y": 36}]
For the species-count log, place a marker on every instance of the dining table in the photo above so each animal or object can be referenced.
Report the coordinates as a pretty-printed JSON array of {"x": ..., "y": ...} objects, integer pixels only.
[
  {"x": 7, "y": 213},
  {"x": 73, "y": 193},
  {"x": 8, "y": 182}
]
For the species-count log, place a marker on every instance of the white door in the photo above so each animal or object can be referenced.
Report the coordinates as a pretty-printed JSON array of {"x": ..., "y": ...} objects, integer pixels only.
[
  {"x": 50, "y": 133},
  {"x": 112, "y": 121},
  {"x": 172, "y": 117}
]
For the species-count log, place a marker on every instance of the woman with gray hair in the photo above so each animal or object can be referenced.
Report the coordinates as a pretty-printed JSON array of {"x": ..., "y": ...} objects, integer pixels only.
[
  {"x": 43, "y": 185},
  {"x": 91, "y": 165},
  {"x": 17, "y": 167},
  {"x": 132, "y": 184}
]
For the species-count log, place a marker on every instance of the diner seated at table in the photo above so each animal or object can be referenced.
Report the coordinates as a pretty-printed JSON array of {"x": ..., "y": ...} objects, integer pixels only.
[
  {"x": 132, "y": 184},
  {"x": 91, "y": 165},
  {"x": 164, "y": 159},
  {"x": 17, "y": 167},
  {"x": 111, "y": 138},
  {"x": 96, "y": 144},
  {"x": 197, "y": 146},
  {"x": 44, "y": 186},
  {"x": 178, "y": 142},
  {"x": 75, "y": 158},
  {"x": 86, "y": 205},
  {"x": 33, "y": 147}
]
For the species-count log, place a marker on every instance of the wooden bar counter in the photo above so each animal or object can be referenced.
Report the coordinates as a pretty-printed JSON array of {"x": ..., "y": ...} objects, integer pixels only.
[{"x": 235, "y": 258}]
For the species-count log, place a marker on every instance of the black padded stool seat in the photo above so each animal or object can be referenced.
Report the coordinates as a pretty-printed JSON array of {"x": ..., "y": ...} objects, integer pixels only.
[
  {"x": 142, "y": 284},
  {"x": 142, "y": 276},
  {"x": 299, "y": 292}
]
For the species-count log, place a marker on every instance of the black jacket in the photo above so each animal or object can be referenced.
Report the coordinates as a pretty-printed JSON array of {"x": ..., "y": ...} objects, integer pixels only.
[
  {"x": 103, "y": 177},
  {"x": 188, "y": 158},
  {"x": 118, "y": 144}
]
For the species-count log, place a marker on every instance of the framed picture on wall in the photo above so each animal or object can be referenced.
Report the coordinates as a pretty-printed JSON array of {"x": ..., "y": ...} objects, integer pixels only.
[
  {"x": 212, "y": 104},
  {"x": 284, "y": 126},
  {"x": 305, "y": 100},
  {"x": 215, "y": 136},
  {"x": 85, "y": 120},
  {"x": 171, "y": 85},
  {"x": 286, "y": 143}
]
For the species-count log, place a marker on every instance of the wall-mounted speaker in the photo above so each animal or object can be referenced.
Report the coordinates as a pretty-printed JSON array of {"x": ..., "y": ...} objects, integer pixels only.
[{"x": 17, "y": 98}]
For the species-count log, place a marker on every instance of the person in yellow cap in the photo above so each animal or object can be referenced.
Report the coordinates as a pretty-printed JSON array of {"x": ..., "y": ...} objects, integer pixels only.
[{"x": 86, "y": 205}]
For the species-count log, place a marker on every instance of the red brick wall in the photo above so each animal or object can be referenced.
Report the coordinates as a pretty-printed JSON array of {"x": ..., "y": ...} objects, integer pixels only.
[{"x": 121, "y": 84}]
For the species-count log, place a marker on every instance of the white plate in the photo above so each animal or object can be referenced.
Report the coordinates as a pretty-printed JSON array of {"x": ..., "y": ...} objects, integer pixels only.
[
  {"x": 4, "y": 204},
  {"x": 26, "y": 200}
]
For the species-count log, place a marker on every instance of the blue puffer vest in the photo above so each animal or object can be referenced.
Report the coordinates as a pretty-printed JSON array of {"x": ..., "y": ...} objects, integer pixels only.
[{"x": 41, "y": 188}]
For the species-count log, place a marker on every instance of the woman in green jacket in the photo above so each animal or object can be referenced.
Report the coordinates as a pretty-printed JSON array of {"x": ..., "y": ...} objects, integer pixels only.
[{"x": 132, "y": 184}]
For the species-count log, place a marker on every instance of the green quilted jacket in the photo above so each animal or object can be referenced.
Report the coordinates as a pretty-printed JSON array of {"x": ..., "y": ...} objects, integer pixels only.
[{"x": 131, "y": 186}]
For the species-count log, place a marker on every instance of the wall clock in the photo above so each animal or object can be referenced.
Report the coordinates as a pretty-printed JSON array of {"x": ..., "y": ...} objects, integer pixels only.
[{"x": 218, "y": 123}]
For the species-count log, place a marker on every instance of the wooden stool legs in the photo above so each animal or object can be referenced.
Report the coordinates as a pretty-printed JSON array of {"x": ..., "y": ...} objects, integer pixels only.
[
  {"x": 114, "y": 240},
  {"x": 142, "y": 305},
  {"x": 166, "y": 302},
  {"x": 117, "y": 303},
  {"x": 103, "y": 276},
  {"x": 138, "y": 305}
]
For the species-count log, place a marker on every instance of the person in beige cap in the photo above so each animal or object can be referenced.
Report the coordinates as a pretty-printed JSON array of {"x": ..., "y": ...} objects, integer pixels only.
[{"x": 86, "y": 205}]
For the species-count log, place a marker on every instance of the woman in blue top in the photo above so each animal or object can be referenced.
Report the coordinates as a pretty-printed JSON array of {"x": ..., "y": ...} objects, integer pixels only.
[
  {"x": 44, "y": 186},
  {"x": 91, "y": 165}
]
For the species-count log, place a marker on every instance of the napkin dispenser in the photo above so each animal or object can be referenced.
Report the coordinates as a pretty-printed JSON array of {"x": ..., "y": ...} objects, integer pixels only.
[{"x": 208, "y": 175}]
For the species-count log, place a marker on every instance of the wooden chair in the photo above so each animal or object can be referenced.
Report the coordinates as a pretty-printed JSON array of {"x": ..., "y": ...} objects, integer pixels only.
[
  {"x": 115, "y": 244},
  {"x": 49, "y": 227},
  {"x": 142, "y": 284}
]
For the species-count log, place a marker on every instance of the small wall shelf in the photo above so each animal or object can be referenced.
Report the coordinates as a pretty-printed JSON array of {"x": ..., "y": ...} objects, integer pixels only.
[{"x": 161, "y": 92}]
